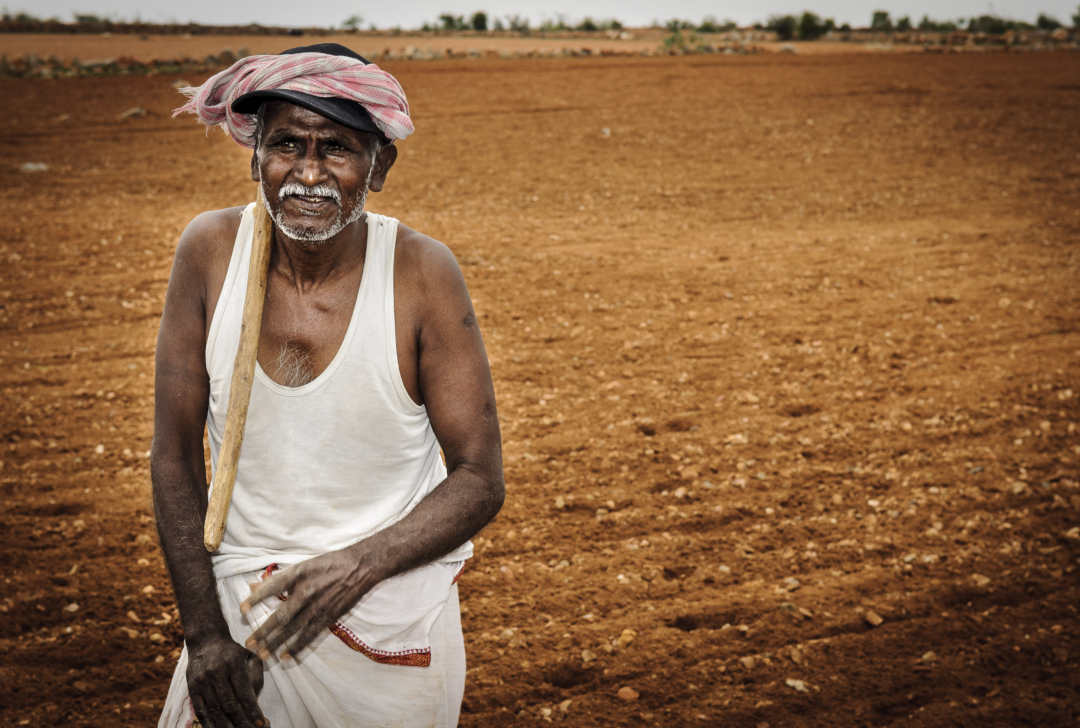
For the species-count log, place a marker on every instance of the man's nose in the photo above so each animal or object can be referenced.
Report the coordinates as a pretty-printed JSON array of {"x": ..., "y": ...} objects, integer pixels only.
[{"x": 312, "y": 171}]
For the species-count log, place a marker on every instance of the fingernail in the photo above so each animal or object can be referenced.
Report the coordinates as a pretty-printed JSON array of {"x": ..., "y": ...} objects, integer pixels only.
[
  {"x": 286, "y": 656},
  {"x": 250, "y": 643},
  {"x": 264, "y": 655}
]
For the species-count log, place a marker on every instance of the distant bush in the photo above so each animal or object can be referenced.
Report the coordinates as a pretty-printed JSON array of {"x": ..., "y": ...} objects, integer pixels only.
[
  {"x": 587, "y": 25},
  {"x": 1045, "y": 22},
  {"x": 926, "y": 24},
  {"x": 880, "y": 21},
  {"x": 709, "y": 24},
  {"x": 517, "y": 24},
  {"x": 556, "y": 25},
  {"x": 846, "y": 27},
  {"x": 993, "y": 25},
  {"x": 811, "y": 27},
  {"x": 676, "y": 40},
  {"x": 452, "y": 22},
  {"x": 352, "y": 23},
  {"x": 1076, "y": 18},
  {"x": 903, "y": 24},
  {"x": 784, "y": 25},
  {"x": 479, "y": 21}
]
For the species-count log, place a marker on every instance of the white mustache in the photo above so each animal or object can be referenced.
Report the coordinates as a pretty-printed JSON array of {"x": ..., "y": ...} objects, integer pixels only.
[{"x": 296, "y": 189}]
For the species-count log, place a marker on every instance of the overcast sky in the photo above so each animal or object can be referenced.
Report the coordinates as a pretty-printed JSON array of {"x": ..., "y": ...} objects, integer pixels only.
[{"x": 629, "y": 12}]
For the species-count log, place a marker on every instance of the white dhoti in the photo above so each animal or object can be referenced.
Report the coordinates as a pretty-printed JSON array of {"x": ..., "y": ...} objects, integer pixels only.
[{"x": 396, "y": 659}]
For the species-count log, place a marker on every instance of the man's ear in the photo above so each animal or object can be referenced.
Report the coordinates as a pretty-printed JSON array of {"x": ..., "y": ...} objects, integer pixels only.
[
  {"x": 255, "y": 166},
  {"x": 383, "y": 163}
]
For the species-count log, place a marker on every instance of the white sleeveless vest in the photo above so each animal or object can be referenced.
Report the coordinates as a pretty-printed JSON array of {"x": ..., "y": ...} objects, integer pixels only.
[{"x": 336, "y": 460}]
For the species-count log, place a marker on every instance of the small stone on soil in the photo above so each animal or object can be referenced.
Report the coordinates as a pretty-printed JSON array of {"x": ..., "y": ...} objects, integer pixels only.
[
  {"x": 798, "y": 685},
  {"x": 628, "y": 693},
  {"x": 873, "y": 619}
]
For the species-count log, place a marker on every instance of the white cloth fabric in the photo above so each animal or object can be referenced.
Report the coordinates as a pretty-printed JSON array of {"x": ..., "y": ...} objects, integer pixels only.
[
  {"x": 331, "y": 685},
  {"x": 336, "y": 460}
]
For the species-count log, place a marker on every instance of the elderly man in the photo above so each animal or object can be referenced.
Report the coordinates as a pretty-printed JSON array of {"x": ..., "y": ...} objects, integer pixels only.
[{"x": 332, "y": 601}]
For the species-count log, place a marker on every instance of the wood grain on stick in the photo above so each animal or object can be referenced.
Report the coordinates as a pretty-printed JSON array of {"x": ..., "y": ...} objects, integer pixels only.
[{"x": 243, "y": 375}]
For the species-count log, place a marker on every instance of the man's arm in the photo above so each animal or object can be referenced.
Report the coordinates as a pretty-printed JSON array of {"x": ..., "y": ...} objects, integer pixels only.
[
  {"x": 223, "y": 677},
  {"x": 455, "y": 383}
]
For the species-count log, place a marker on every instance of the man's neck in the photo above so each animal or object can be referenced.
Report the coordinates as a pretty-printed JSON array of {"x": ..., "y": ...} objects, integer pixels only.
[{"x": 310, "y": 264}]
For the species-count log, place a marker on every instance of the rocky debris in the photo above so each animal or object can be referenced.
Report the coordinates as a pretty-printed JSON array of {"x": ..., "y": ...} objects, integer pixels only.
[
  {"x": 133, "y": 112},
  {"x": 628, "y": 693},
  {"x": 797, "y": 685},
  {"x": 625, "y": 638},
  {"x": 980, "y": 580},
  {"x": 872, "y": 618},
  {"x": 31, "y": 167}
]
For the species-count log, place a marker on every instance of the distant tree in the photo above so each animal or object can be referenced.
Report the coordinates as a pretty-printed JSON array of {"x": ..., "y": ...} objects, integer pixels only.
[
  {"x": 1046, "y": 22},
  {"x": 811, "y": 26},
  {"x": 1076, "y": 18},
  {"x": 558, "y": 24},
  {"x": 611, "y": 24},
  {"x": 452, "y": 22},
  {"x": 880, "y": 21},
  {"x": 846, "y": 27},
  {"x": 903, "y": 24},
  {"x": 587, "y": 25},
  {"x": 784, "y": 25},
  {"x": 517, "y": 23},
  {"x": 940, "y": 26},
  {"x": 499, "y": 24},
  {"x": 993, "y": 25},
  {"x": 674, "y": 25},
  {"x": 479, "y": 21},
  {"x": 81, "y": 18},
  {"x": 353, "y": 23}
]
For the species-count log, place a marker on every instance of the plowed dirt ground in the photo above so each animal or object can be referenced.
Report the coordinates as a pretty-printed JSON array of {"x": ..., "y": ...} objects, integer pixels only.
[{"x": 785, "y": 348}]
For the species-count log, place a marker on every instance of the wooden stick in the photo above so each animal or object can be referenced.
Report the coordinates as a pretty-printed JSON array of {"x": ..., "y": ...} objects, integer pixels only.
[{"x": 243, "y": 375}]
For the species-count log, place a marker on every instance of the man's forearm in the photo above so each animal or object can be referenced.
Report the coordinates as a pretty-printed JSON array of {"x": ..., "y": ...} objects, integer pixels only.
[
  {"x": 455, "y": 511},
  {"x": 180, "y": 508}
]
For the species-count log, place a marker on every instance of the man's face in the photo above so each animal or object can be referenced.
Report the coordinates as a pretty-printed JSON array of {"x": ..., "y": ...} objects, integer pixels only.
[{"x": 315, "y": 172}]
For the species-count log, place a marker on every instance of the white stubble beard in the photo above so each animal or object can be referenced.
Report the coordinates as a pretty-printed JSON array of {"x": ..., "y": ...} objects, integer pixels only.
[{"x": 307, "y": 235}]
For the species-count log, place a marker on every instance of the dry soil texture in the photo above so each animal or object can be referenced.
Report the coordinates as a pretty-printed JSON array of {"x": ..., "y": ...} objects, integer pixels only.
[{"x": 787, "y": 358}]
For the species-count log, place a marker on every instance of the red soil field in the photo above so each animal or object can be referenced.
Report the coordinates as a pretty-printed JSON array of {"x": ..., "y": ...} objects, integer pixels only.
[{"x": 786, "y": 352}]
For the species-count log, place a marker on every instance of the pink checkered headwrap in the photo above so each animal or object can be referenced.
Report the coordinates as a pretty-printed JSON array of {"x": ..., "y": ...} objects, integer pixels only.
[{"x": 317, "y": 74}]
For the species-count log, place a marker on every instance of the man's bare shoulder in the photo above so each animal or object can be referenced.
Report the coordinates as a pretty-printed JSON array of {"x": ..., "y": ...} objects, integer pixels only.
[
  {"x": 423, "y": 260},
  {"x": 209, "y": 238}
]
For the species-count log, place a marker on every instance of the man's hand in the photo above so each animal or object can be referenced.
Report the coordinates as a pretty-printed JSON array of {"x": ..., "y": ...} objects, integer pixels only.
[
  {"x": 223, "y": 682},
  {"x": 320, "y": 590}
]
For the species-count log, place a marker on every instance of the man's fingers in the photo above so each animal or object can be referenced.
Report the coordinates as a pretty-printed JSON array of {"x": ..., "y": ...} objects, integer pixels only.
[
  {"x": 287, "y": 631},
  {"x": 229, "y": 709},
  {"x": 208, "y": 710},
  {"x": 198, "y": 706},
  {"x": 276, "y": 584},
  {"x": 260, "y": 640},
  {"x": 301, "y": 640},
  {"x": 246, "y": 685}
]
